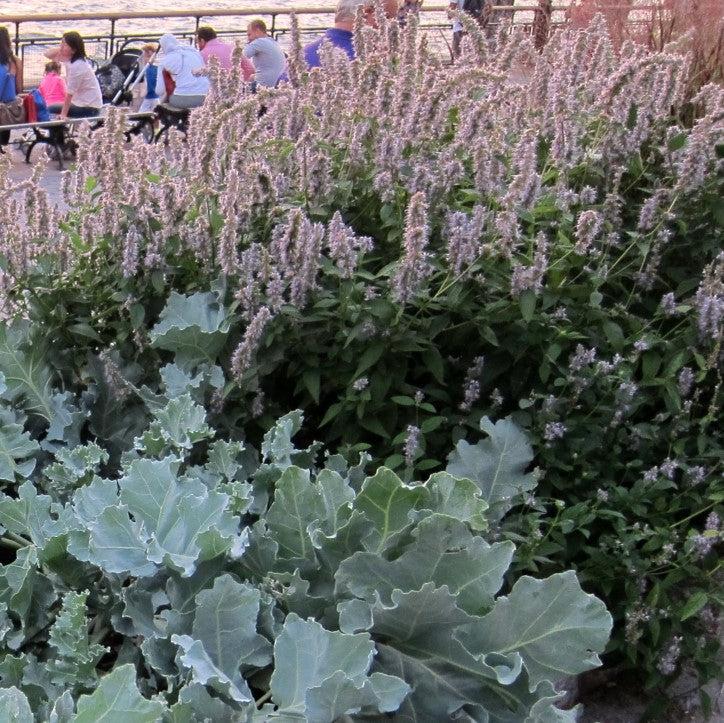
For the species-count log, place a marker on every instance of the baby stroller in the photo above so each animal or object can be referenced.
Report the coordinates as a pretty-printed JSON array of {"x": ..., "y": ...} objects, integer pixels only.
[{"x": 117, "y": 75}]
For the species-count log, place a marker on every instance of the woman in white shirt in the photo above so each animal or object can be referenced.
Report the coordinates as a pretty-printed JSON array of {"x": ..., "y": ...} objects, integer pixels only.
[
  {"x": 177, "y": 66},
  {"x": 83, "y": 97}
]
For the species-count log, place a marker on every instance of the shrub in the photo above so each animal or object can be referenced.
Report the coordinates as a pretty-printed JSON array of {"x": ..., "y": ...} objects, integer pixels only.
[
  {"x": 403, "y": 249},
  {"x": 206, "y": 581}
]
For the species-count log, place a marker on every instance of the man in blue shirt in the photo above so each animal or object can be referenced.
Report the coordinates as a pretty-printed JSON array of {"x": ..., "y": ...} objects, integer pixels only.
[{"x": 341, "y": 34}]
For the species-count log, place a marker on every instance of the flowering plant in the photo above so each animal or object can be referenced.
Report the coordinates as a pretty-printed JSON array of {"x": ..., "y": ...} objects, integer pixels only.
[{"x": 403, "y": 248}]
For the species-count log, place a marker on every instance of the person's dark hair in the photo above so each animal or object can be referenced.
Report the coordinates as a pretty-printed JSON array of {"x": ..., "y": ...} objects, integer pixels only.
[
  {"x": 206, "y": 33},
  {"x": 52, "y": 67},
  {"x": 6, "y": 47},
  {"x": 74, "y": 41}
]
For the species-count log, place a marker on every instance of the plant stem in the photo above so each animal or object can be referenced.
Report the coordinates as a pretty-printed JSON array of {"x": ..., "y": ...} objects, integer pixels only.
[{"x": 267, "y": 696}]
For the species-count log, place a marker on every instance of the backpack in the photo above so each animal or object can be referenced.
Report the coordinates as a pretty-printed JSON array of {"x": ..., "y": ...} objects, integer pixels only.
[
  {"x": 474, "y": 8},
  {"x": 41, "y": 107}
]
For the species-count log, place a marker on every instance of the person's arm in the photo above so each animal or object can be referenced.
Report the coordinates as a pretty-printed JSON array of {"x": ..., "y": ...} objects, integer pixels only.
[
  {"x": 19, "y": 85},
  {"x": 250, "y": 49},
  {"x": 53, "y": 53},
  {"x": 66, "y": 105}
]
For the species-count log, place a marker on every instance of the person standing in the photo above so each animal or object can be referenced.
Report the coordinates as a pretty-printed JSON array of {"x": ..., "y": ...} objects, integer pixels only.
[
  {"x": 150, "y": 76},
  {"x": 210, "y": 46},
  {"x": 83, "y": 98},
  {"x": 265, "y": 53}
]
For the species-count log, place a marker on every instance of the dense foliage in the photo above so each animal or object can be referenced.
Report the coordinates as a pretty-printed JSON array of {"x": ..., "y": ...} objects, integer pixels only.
[
  {"x": 213, "y": 581},
  {"x": 402, "y": 249}
]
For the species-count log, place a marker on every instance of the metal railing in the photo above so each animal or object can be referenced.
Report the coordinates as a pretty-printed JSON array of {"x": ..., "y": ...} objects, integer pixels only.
[{"x": 102, "y": 45}]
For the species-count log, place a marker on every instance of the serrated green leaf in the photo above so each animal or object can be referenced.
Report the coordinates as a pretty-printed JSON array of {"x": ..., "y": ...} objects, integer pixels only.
[
  {"x": 421, "y": 646},
  {"x": 443, "y": 552},
  {"x": 15, "y": 448},
  {"x": 195, "y": 327},
  {"x": 223, "y": 458},
  {"x": 27, "y": 378},
  {"x": 552, "y": 624},
  {"x": 224, "y": 638},
  {"x": 116, "y": 695},
  {"x": 496, "y": 464},
  {"x": 183, "y": 521},
  {"x": 458, "y": 498},
  {"x": 75, "y": 656},
  {"x": 28, "y": 514},
  {"x": 387, "y": 502},
  {"x": 182, "y": 423},
  {"x": 277, "y": 446},
  {"x": 322, "y": 675},
  {"x": 63, "y": 709},
  {"x": 27, "y": 593},
  {"x": 297, "y": 504},
  {"x": 14, "y": 706}
]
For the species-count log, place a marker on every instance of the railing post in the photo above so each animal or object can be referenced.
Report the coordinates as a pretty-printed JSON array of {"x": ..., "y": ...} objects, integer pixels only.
[
  {"x": 17, "y": 38},
  {"x": 273, "y": 27},
  {"x": 112, "y": 39}
]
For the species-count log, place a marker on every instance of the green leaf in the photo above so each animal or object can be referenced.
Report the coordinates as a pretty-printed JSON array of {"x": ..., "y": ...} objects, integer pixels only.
[
  {"x": 14, "y": 706},
  {"x": 76, "y": 657},
  {"x": 496, "y": 464},
  {"x": 277, "y": 446},
  {"x": 419, "y": 629},
  {"x": 442, "y": 551},
  {"x": 182, "y": 423},
  {"x": 311, "y": 382},
  {"x": 223, "y": 458},
  {"x": 297, "y": 504},
  {"x": 27, "y": 378},
  {"x": 29, "y": 514},
  {"x": 27, "y": 593},
  {"x": 387, "y": 502},
  {"x": 527, "y": 305},
  {"x": 322, "y": 675},
  {"x": 183, "y": 521},
  {"x": 195, "y": 327},
  {"x": 116, "y": 695},
  {"x": 369, "y": 358},
  {"x": 15, "y": 448},
  {"x": 457, "y": 498},
  {"x": 552, "y": 624},
  {"x": 694, "y": 603},
  {"x": 224, "y": 638}
]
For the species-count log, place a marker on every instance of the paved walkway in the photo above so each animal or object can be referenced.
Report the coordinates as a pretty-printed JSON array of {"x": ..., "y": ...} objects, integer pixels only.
[{"x": 20, "y": 171}]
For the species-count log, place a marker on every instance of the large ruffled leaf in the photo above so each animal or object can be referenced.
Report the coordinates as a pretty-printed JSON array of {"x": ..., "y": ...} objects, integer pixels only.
[
  {"x": 496, "y": 464},
  {"x": 442, "y": 551},
  {"x": 224, "y": 638},
  {"x": 16, "y": 446},
  {"x": 387, "y": 501},
  {"x": 552, "y": 624},
  {"x": 29, "y": 514},
  {"x": 117, "y": 698},
  {"x": 14, "y": 706},
  {"x": 183, "y": 521},
  {"x": 75, "y": 655},
  {"x": 420, "y": 645},
  {"x": 195, "y": 327},
  {"x": 321, "y": 675},
  {"x": 27, "y": 376},
  {"x": 27, "y": 593}
]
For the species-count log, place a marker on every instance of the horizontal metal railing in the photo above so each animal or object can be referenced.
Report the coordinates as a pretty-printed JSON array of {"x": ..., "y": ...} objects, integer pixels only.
[{"x": 102, "y": 45}]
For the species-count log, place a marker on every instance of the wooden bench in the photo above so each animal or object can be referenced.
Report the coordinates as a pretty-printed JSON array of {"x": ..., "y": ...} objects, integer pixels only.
[{"x": 55, "y": 133}]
